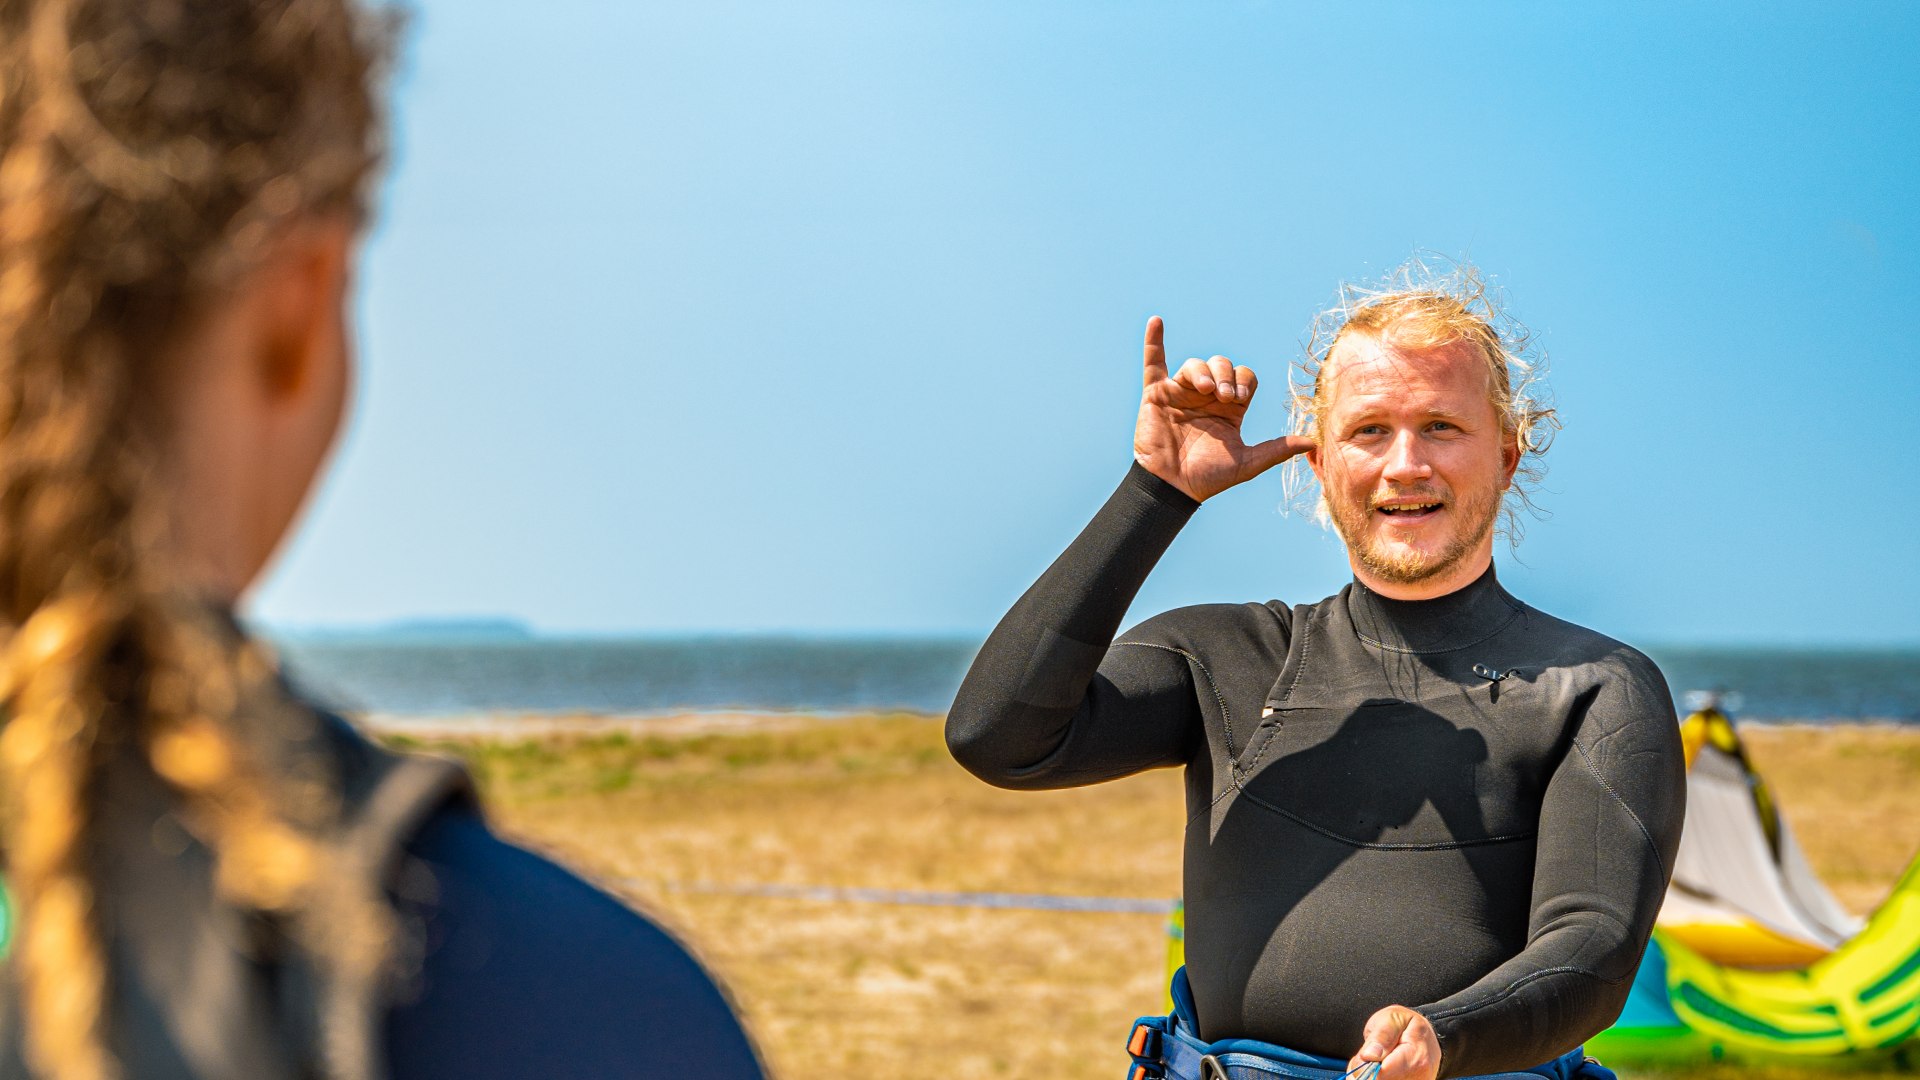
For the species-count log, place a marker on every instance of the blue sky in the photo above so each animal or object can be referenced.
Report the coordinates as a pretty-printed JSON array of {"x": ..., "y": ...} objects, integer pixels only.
[{"x": 825, "y": 317}]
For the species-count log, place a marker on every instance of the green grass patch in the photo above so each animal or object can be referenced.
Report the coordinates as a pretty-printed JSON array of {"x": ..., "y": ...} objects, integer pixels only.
[{"x": 551, "y": 766}]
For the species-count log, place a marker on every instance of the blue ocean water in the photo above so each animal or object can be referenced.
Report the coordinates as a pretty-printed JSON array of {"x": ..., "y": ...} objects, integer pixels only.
[
  {"x": 629, "y": 676},
  {"x": 415, "y": 676}
]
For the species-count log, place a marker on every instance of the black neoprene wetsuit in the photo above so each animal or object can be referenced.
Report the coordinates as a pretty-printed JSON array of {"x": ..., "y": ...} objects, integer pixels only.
[{"x": 1369, "y": 820}]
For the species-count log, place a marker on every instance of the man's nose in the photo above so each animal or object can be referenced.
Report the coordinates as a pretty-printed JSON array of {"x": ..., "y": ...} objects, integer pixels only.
[{"x": 1405, "y": 460}]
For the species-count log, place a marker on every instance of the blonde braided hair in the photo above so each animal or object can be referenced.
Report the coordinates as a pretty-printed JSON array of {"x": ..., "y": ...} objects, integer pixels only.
[{"x": 149, "y": 150}]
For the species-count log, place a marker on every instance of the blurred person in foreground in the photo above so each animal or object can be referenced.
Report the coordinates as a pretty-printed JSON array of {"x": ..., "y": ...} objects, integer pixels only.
[
  {"x": 212, "y": 878},
  {"x": 1429, "y": 826}
]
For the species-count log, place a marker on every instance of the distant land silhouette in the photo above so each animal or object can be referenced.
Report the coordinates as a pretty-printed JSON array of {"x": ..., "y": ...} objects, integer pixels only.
[{"x": 449, "y": 631}]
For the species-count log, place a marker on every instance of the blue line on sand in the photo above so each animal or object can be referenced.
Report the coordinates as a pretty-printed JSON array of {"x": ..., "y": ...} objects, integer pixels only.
[{"x": 1018, "y": 901}]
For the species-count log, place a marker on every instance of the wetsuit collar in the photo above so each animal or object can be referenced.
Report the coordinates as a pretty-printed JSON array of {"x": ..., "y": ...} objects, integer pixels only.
[{"x": 1461, "y": 618}]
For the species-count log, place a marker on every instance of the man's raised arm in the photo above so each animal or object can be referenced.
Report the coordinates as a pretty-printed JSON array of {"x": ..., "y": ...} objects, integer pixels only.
[{"x": 1047, "y": 703}]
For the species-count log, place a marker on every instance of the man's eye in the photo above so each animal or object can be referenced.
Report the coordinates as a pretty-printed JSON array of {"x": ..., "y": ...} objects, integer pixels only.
[{"x": 1441, "y": 425}]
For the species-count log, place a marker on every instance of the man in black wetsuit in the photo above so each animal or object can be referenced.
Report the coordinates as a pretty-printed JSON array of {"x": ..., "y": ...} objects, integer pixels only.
[{"x": 1424, "y": 819}]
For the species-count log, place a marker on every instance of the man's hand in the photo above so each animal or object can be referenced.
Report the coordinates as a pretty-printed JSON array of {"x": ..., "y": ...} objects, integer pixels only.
[
  {"x": 1188, "y": 433},
  {"x": 1402, "y": 1042}
]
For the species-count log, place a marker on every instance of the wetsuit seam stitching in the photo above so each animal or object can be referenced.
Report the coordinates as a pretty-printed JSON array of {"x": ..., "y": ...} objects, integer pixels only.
[
  {"x": 1645, "y": 833},
  {"x": 1449, "y": 845},
  {"x": 1357, "y": 632},
  {"x": 1254, "y": 765},
  {"x": 1226, "y": 715},
  {"x": 1512, "y": 988},
  {"x": 1306, "y": 645}
]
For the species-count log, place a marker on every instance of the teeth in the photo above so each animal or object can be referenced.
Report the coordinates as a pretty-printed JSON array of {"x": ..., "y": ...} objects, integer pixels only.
[{"x": 1405, "y": 509}]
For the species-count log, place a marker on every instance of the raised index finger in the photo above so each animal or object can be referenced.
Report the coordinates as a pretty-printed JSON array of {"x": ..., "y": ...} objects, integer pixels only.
[{"x": 1155, "y": 352}]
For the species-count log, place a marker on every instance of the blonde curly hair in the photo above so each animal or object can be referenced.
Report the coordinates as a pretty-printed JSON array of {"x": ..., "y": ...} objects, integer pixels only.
[
  {"x": 1431, "y": 302},
  {"x": 150, "y": 150}
]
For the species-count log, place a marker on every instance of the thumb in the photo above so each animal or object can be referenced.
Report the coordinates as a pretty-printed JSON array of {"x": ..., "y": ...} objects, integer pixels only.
[
  {"x": 1264, "y": 456},
  {"x": 1383, "y": 1032}
]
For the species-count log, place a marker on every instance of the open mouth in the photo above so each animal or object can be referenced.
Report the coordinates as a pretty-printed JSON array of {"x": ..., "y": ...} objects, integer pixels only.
[{"x": 1411, "y": 511}]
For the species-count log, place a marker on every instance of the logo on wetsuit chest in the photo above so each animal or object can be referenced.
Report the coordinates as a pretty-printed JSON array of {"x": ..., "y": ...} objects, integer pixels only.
[{"x": 1485, "y": 671}]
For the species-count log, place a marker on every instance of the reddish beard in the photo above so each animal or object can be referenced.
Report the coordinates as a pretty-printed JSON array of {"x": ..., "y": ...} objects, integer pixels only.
[{"x": 1403, "y": 566}]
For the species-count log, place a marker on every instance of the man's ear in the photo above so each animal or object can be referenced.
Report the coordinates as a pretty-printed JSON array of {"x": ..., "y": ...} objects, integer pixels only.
[
  {"x": 1509, "y": 460},
  {"x": 299, "y": 289}
]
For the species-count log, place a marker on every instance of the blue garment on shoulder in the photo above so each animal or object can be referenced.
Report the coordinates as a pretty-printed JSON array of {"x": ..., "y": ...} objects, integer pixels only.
[
  {"x": 530, "y": 971},
  {"x": 1169, "y": 1049}
]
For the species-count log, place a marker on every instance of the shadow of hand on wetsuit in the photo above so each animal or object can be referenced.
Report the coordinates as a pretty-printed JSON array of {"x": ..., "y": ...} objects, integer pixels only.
[{"x": 1354, "y": 847}]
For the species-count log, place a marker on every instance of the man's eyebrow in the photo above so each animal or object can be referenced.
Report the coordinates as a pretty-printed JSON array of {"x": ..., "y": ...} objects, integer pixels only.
[{"x": 1372, "y": 406}]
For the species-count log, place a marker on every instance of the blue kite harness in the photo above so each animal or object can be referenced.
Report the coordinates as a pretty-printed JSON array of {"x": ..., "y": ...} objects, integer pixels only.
[{"x": 1167, "y": 1048}]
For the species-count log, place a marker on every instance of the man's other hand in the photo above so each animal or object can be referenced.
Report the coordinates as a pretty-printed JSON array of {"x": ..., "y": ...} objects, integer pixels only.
[
  {"x": 1188, "y": 433},
  {"x": 1402, "y": 1042}
]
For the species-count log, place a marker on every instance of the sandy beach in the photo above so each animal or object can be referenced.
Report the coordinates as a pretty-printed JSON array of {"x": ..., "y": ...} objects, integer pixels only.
[{"x": 737, "y": 829}]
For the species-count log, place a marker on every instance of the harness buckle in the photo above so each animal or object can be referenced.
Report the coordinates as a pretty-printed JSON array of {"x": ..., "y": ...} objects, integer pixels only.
[{"x": 1211, "y": 1069}]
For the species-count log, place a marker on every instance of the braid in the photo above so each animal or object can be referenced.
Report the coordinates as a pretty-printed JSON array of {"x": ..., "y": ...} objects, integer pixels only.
[
  {"x": 147, "y": 153},
  {"x": 65, "y": 600}
]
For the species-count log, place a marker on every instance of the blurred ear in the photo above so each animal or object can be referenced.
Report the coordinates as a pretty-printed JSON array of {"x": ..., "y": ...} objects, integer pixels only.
[
  {"x": 299, "y": 296},
  {"x": 1509, "y": 460}
]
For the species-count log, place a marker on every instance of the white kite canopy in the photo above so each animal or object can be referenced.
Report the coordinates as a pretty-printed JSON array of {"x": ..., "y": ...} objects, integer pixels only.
[
  {"x": 1752, "y": 955},
  {"x": 1743, "y": 893}
]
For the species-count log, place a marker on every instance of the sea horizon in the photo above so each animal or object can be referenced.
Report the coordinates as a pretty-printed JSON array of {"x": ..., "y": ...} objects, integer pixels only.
[{"x": 463, "y": 667}]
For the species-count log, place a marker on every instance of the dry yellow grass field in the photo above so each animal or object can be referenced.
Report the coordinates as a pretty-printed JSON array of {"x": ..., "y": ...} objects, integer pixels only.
[{"x": 671, "y": 815}]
